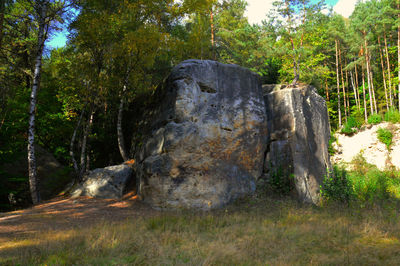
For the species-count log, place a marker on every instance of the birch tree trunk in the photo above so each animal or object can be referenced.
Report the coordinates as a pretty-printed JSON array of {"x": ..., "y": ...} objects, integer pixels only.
[
  {"x": 71, "y": 146},
  {"x": 120, "y": 134},
  {"x": 338, "y": 84},
  {"x": 33, "y": 180}
]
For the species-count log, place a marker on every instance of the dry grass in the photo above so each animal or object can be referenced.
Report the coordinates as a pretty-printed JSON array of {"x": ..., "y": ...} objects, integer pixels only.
[{"x": 252, "y": 232}]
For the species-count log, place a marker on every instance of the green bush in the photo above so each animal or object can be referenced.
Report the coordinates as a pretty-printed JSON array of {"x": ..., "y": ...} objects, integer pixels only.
[
  {"x": 332, "y": 140},
  {"x": 392, "y": 116},
  {"x": 352, "y": 123},
  {"x": 347, "y": 129},
  {"x": 385, "y": 136},
  {"x": 281, "y": 181},
  {"x": 337, "y": 186},
  {"x": 375, "y": 187},
  {"x": 374, "y": 119}
]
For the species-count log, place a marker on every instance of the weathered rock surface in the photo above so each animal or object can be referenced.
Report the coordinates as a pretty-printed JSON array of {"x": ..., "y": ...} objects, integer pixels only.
[
  {"x": 208, "y": 140},
  {"x": 298, "y": 137},
  {"x": 108, "y": 182}
]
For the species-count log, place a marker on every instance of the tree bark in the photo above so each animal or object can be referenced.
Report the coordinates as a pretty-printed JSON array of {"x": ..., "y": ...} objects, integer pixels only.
[
  {"x": 389, "y": 75},
  {"x": 212, "y": 33},
  {"x": 365, "y": 101},
  {"x": 354, "y": 90},
  {"x": 71, "y": 146},
  {"x": 120, "y": 134},
  {"x": 383, "y": 74},
  {"x": 84, "y": 144},
  {"x": 358, "y": 94},
  {"x": 371, "y": 104},
  {"x": 33, "y": 179},
  {"x": 338, "y": 84},
  {"x": 398, "y": 49},
  {"x": 343, "y": 85},
  {"x": 295, "y": 65}
]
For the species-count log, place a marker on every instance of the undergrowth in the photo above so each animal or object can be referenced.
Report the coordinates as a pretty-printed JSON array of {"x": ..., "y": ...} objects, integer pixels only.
[
  {"x": 364, "y": 185},
  {"x": 385, "y": 136}
]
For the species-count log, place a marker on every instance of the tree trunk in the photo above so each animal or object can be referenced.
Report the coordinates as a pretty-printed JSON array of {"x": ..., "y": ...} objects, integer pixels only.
[
  {"x": 373, "y": 90},
  {"x": 2, "y": 11},
  {"x": 389, "y": 75},
  {"x": 371, "y": 104},
  {"x": 354, "y": 90},
  {"x": 358, "y": 94},
  {"x": 398, "y": 49},
  {"x": 84, "y": 144},
  {"x": 365, "y": 101},
  {"x": 212, "y": 33},
  {"x": 71, "y": 146},
  {"x": 343, "y": 85},
  {"x": 295, "y": 66},
  {"x": 326, "y": 86},
  {"x": 121, "y": 141},
  {"x": 348, "y": 89},
  {"x": 337, "y": 83},
  {"x": 33, "y": 180},
  {"x": 383, "y": 74}
]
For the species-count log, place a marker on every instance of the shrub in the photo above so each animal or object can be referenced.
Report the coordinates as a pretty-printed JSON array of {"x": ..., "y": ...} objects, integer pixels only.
[
  {"x": 374, "y": 119},
  {"x": 332, "y": 139},
  {"x": 392, "y": 116},
  {"x": 359, "y": 117},
  {"x": 352, "y": 123},
  {"x": 385, "y": 136},
  {"x": 337, "y": 186},
  {"x": 374, "y": 187},
  {"x": 281, "y": 180}
]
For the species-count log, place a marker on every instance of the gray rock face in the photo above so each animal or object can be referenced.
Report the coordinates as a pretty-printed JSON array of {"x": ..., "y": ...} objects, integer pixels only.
[
  {"x": 299, "y": 133},
  {"x": 208, "y": 140},
  {"x": 107, "y": 183}
]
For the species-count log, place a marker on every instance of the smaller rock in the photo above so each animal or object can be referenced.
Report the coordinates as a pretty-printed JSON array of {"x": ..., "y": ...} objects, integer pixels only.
[{"x": 107, "y": 183}]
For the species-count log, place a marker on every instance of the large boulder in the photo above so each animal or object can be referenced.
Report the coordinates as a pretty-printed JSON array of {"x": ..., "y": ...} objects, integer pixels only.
[
  {"x": 208, "y": 138},
  {"x": 298, "y": 138},
  {"x": 107, "y": 183}
]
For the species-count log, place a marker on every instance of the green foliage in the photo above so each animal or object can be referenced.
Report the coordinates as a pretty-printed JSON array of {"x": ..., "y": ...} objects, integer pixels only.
[
  {"x": 374, "y": 119},
  {"x": 375, "y": 186},
  {"x": 353, "y": 122},
  {"x": 281, "y": 180},
  {"x": 332, "y": 140},
  {"x": 392, "y": 116},
  {"x": 385, "y": 136},
  {"x": 337, "y": 186}
]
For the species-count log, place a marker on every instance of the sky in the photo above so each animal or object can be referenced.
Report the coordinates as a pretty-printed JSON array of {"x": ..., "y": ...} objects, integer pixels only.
[
  {"x": 256, "y": 12},
  {"x": 257, "y": 9}
]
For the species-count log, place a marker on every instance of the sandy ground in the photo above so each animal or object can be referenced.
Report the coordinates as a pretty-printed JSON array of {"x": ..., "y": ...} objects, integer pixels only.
[
  {"x": 65, "y": 213},
  {"x": 366, "y": 142}
]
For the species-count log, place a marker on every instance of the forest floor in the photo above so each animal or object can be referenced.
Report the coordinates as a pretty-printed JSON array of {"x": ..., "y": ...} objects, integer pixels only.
[{"x": 254, "y": 231}]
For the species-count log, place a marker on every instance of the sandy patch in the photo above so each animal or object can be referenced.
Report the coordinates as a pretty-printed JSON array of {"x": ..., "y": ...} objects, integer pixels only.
[{"x": 366, "y": 142}]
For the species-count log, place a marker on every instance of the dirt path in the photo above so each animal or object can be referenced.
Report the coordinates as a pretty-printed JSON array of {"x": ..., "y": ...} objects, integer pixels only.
[{"x": 63, "y": 213}]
